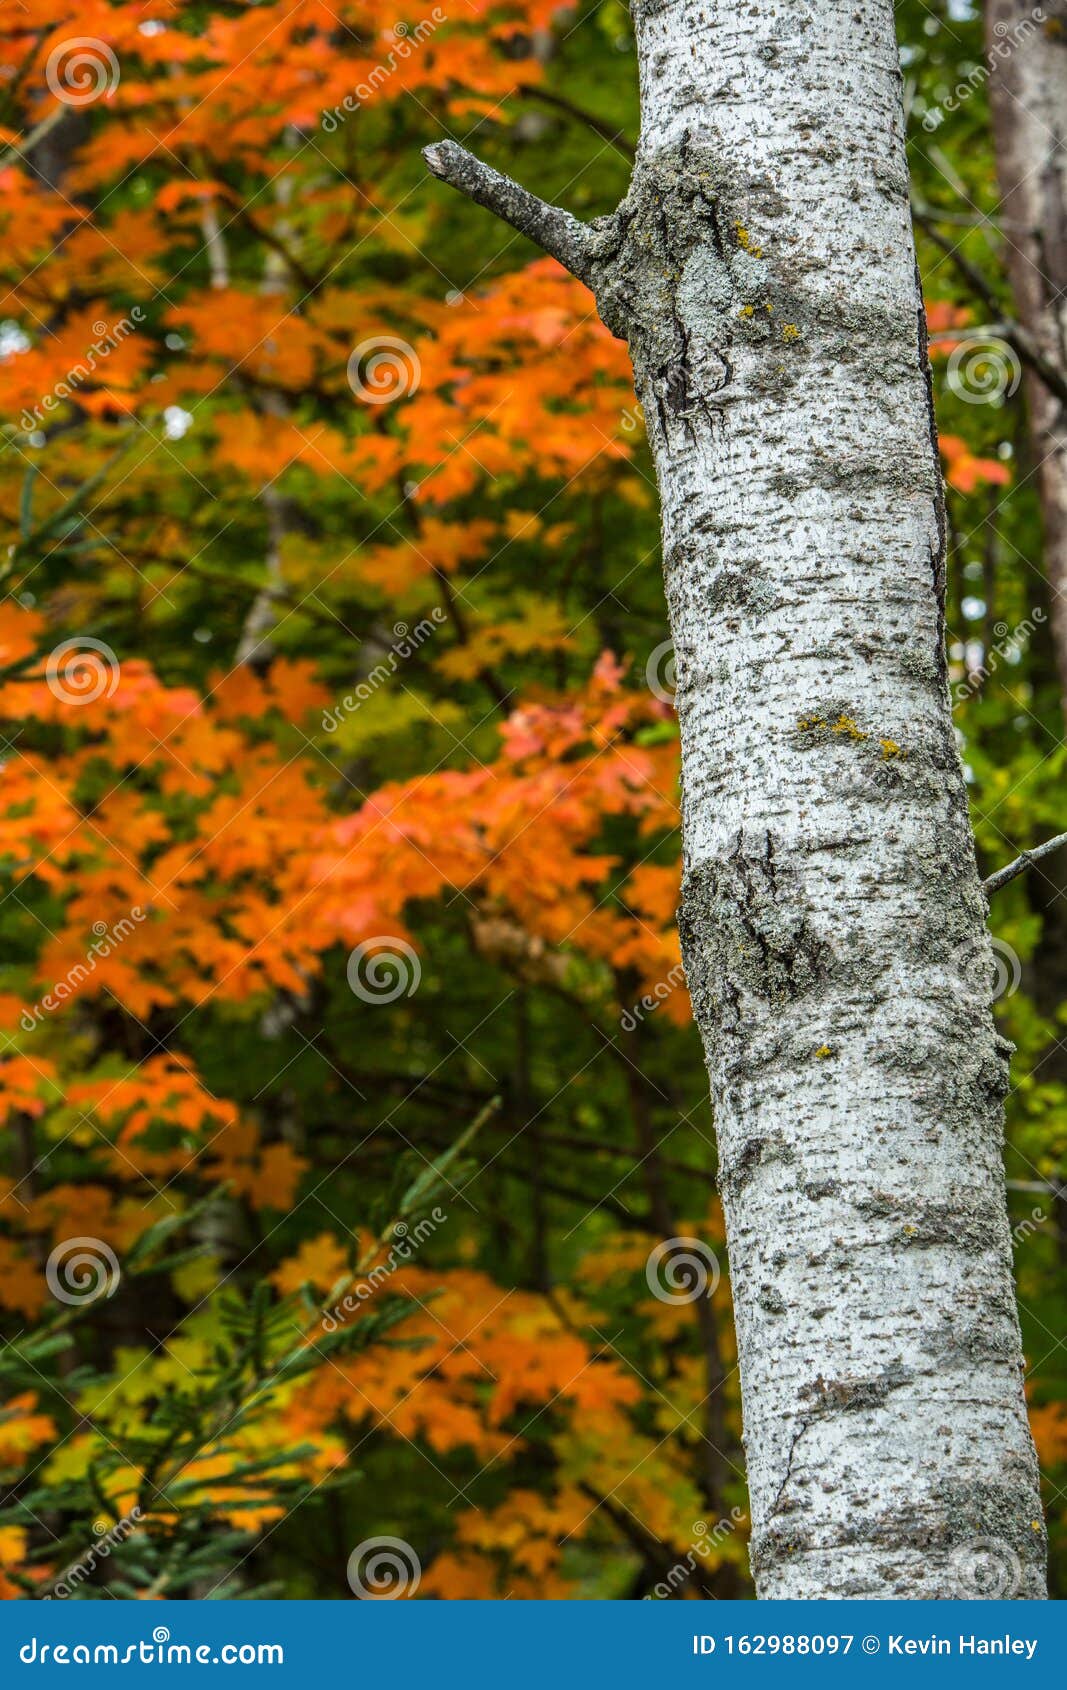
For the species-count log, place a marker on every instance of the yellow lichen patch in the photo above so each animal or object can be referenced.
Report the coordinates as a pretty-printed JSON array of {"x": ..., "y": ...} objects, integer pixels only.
[
  {"x": 790, "y": 331},
  {"x": 746, "y": 311},
  {"x": 843, "y": 725},
  {"x": 744, "y": 240},
  {"x": 768, "y": 307},
  {"x": 890, "y": 748},
  {"x": 823, "y": 1052},
  {"x": 910, "y": 1231}
]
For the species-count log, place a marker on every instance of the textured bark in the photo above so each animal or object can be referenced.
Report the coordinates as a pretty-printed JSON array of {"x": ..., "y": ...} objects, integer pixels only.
[
  {"x": 762, "y": 270},
  {"x": 1028, "y": 101}
]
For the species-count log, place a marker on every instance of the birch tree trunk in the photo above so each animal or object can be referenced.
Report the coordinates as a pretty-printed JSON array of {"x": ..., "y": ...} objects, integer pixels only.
[
  {"x": 761, "y": 268},
  {"x": 1028, "y": 101}
]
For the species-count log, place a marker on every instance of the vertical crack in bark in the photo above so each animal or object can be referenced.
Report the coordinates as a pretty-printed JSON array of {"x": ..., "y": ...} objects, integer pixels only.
[{"x": 776, "y": 1505}]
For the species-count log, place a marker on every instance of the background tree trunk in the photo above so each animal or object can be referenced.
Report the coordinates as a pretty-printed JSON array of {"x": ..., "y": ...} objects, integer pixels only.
[
  {"x": 1028, "y": 103},
  {"x": 762, "y": 270}
]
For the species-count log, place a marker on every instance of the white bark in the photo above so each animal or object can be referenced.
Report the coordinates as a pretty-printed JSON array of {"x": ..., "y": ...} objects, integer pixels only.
[{"x": 762, "y": 270}]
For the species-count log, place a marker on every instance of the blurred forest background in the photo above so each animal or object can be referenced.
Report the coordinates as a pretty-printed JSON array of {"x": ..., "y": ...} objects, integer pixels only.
[{"x": 357, "y": 1166}]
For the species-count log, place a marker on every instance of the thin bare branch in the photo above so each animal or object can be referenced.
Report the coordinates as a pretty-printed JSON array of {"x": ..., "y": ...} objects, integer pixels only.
[
  {"x": 1004, "y": 875},
  {"x": 547, "y": 97},
  {"x": 21, "y": 149},
  {"x": 1014, "y": 333},
  {"x": 553, "y": 229}
]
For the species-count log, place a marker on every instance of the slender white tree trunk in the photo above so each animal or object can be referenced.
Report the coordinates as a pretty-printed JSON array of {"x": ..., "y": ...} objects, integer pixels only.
[{"x": 762, "y": 271}]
